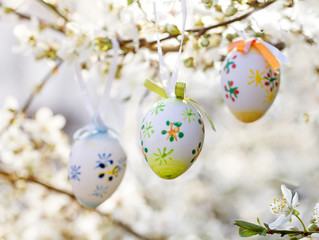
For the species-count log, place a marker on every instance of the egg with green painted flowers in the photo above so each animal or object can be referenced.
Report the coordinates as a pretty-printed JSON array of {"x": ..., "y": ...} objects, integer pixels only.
[{"x": 172, "y": 136}]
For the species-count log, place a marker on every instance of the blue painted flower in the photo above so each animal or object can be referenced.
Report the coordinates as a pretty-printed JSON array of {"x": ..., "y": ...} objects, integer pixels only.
[
  {"x": 104, "y": 160},
  {"x": 99, "y": 191},
  {"x": 75, "y": 172}
]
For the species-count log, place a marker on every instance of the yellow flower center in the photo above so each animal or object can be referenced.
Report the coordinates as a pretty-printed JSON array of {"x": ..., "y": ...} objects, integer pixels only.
[{"x": 280, "y": 205}]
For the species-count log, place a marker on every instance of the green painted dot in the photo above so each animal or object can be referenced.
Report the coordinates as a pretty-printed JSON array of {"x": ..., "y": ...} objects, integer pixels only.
[
  {"x": 164, "y": 132},
  {"x": 194, "y": 151},
  {"x": 145, "y": 150},
  {"x": 171, "y": 138},
  {"x": 167, "y": 123},
  {"x": 177, "y": 124},
  {"x": 142, "y": 143},
  {"x": 199, "y": 145},
  {"x": 143, "y": 127},
  {"x": 180, "y": 135},
  {"x": 199, "y": 121},
  {"x": 192, "y": 160}
]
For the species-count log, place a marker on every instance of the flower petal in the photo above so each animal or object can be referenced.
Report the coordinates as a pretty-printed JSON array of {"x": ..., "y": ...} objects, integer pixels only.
[
  {"x": 286, "y": 193},
  {"x": 315, "y": 236},
  {"x": 295, "y": 201},
  {"x": 279, "y": 221}
]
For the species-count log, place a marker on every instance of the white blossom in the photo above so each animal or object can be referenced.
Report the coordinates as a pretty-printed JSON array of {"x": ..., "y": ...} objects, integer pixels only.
[
  {"x": 283, "y": 207},
  {"x": 316, "y": 213},
  {"x": 78, "y": 44}
]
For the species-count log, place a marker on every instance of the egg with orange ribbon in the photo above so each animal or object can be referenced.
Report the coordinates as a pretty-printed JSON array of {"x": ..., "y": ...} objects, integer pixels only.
[{"x": 250, "y": 79}]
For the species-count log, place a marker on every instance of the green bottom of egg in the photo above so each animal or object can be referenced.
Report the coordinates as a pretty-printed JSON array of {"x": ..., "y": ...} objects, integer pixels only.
[{"x": 170, "y": 169}]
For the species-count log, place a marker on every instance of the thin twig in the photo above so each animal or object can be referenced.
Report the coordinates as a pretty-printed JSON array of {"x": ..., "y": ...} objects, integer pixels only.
[
  {"x": 286, "y": 232},
  {"x": 54, "y": 9},
  {"x": 30, "y": 179},
  {"x": 203, "y": 30},
  {"x": 39, "y": 87},
  {"x": 42, "y": 23},
  {"x": 31, "y": 97}
]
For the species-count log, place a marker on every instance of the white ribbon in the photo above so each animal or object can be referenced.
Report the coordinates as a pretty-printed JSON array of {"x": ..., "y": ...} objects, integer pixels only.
[
  {"x": 169, "y": 84},
  {"x": 96, "y": 115},
  {"x": 276, "y": 52}
]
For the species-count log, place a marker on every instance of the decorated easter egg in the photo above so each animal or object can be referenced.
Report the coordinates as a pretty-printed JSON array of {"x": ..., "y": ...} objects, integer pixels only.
[
  {"x": 249, "y": 85},
  {"x": 96, "y": 168},
  {"x": 172, "y": 137}
]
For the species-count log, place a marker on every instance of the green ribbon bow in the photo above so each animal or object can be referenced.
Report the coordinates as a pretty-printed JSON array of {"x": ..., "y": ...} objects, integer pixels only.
[{"x": 180, "y": 89}]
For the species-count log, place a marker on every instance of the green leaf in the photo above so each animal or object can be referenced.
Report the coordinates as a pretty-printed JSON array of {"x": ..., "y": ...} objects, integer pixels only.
[
  {"x": 129, "y": 2},
  {"x": 258, "y": 221},
  {"x": 266, "y": 225},
  {"x": 249, "y": 226},
  {"x": 246, "y": 233},
  {"x": 263, "y": 233}
]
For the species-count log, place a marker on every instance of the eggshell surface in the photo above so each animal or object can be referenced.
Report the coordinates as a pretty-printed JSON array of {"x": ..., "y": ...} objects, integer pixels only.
[
  {"x": 172, "y": 137},
  {"x": 249, "y": 85},
  {"x": 96, "y": 168}
]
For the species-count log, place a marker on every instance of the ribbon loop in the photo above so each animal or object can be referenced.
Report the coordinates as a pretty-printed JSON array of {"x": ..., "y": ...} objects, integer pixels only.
[
  {"x": 98, "y": 124},
  {"x": 271, "y": 53},
  {"x": 155, "y": 87},
  {"x": 180, "y": 89},
  {"x": 169, "y": 83}
]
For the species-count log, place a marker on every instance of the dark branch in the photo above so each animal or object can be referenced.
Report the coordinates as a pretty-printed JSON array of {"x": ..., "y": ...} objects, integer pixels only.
[{"x": 201, "y": 31}]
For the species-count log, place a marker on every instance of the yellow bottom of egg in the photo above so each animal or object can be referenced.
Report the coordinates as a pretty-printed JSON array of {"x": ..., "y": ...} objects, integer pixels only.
[{"x": 248, "y": 116}]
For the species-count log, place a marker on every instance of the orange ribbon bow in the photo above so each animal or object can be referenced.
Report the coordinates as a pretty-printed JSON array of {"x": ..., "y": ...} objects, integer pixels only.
[{"x": 244, "y": 46}]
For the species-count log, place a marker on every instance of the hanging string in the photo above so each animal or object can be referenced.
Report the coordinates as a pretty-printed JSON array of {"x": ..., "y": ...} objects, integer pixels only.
[
  {"x": 84, "y": 91},
  {"x": 102, "y": 103},
  {"x": 169, "y": 84},
  {"x": 110, "y": 77}
]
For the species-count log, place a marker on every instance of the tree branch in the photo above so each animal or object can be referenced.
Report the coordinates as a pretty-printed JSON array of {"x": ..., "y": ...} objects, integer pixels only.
[
  {"x": 27, "y": 17},
  {"x": 203, "y": 30},
  {"x": 30, "y": 179},
  {"x": 33, "y": 94},
  {"x": 143, "y": 42},
  {"x": 40, "y": 86},
  {"x": 199, "y": 31},
  {"x": 286, "y": 232}
]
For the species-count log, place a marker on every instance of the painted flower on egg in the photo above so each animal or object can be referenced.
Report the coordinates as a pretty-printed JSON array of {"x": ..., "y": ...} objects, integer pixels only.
[
  {"x": 249, "y": 85},
  {"x": 172, "y": 136}
]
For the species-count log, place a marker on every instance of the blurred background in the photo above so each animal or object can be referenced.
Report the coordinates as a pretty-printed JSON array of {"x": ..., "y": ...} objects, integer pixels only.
[{"x": 241, "y": 166}]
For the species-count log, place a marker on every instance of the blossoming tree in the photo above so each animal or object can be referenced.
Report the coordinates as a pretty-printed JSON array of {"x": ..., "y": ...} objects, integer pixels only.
[{"x": 238, "y": 163}]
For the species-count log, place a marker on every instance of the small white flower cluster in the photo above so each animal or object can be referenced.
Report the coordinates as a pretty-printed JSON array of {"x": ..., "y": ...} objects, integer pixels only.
[
  {"x": 78, "y": 43},
  {"x": 26, "y": 143},
  {"x": 32, "y": 38}
]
